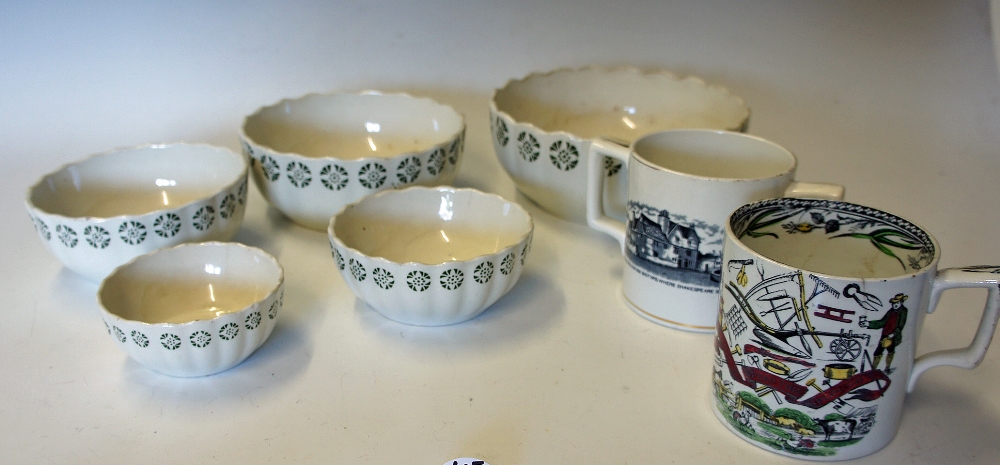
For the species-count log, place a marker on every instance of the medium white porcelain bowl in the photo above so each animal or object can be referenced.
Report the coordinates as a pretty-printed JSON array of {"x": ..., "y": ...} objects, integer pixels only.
[
  {"x": 543, "y": 125},
  {"x": 101, "y": 212},
  {"x": 194, "y": 309},
  {"x": 312, "y": 155},
  {"x": 431, "y": 256}
]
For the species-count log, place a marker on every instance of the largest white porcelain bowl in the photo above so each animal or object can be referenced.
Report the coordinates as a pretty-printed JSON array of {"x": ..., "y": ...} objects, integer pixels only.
[
  {"x": 431, "y": 256},
  {"x": 193, "y": 309},
  {"x": 313, "y": 155},
  {"x": 543, "y": 125},
  {"x": 103, "y": 211}
]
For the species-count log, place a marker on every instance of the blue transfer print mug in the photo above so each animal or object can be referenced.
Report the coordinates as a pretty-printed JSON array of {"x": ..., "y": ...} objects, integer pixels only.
[{"x": 682, "y": 186}]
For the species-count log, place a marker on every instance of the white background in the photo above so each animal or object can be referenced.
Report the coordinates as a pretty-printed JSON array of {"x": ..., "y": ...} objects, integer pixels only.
[{"x": 898, "y": 101}]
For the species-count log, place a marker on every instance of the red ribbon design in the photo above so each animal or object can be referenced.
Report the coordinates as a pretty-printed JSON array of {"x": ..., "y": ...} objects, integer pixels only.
[{"x": 751, "y": 376}]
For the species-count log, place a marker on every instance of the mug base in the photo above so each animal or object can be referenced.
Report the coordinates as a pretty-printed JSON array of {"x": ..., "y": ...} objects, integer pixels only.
[
  {"x": 663, "y": 321},
  {"x": 815, "y": 458}
]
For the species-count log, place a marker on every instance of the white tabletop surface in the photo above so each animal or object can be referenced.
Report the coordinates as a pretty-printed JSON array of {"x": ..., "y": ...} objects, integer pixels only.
[{"x": 898, "y": 101}]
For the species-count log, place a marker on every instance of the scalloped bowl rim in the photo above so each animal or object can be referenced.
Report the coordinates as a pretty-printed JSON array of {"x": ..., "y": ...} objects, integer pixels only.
[
  {"x": 255, "y": 250},
  {"x": 608, "y": 70},
  {"x": 105, "y": 219},
  {"x": 514, "y": 244},
  {"x": 299, "y": 157}
]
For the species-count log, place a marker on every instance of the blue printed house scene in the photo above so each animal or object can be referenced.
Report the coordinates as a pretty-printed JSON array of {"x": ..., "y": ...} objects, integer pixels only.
[{"x": 671, "y": 248}]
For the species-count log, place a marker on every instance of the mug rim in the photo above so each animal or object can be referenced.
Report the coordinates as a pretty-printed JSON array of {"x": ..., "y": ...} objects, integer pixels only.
[
  {"x": 790, "y": 170},
  {"x": 931, "y": 265}
]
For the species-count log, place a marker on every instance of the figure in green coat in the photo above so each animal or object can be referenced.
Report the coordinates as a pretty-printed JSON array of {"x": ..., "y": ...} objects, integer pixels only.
[{"x": 892, "y": 331}]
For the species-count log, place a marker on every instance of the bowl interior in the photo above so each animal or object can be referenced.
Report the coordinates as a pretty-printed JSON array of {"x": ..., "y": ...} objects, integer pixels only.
[
  {"x": 190, "y": 282},
  {"x": 618, "y": 104},
  {"x": 353, "y": 126},
  {"x": 137, "y": 181},
  {"x": 431, "y": 225}
]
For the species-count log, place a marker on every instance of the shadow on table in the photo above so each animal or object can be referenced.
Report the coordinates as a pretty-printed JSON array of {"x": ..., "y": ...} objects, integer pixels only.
[
  {"x": 958, "y": 426},
  {"x": 531, "y": 307}
]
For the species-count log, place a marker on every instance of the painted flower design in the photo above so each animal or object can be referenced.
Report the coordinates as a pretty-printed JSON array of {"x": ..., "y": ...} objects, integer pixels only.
[
  {"x": 333, "y": 177},
  {"x": 227, "y": 207},
  {"x": 132, "y": 232},
  {"x": 528, "y": 146},
  {"x": 793, "y": 228},
  {"x": 66, "y": 235},
  {"x": 418, "y": 281},
  {"x": 338, "y": 259},
  {"x": 564, "y": 155},
  {"x": 500, "y": 130},
  {"x": 524, "y": 252},
  {"x": 97, "y": 237},
  {"x": 456, "y": 148},
  {"x": 372, "y": 175},
  {"x": 170, "y": 341},
  {"x": 408, "y": 170},
  {"x": 612, "y": 166},
  {"x": 167, "y": 225},
  {"x": 228, "y": 331},
  {"x": 272, "y": 313},
  {"x": 452, "y": 279},
  {"x": 435, "y": 163},
  {"x": 252, "y": 321},
  {"x": 42, "y": 228},
  {"x": 248, "y": 150},
  {"x": 357, "y": 270},
  {"x": 201, "y": 339},
  {"x": 887, "y": 233},
  {"x": 270, "y": 168},
  {"x": 203, "y": 218},
  {"x": 241, "y": 192},
  {"x": 483, "y": 272},
  {"x": 119, "y": 334},
  {"x": 383, "y": 278},
  {"x": 299, "y": 174},
  {"x": 140, "y": 339},
  {"x": 507, "y": 264}
]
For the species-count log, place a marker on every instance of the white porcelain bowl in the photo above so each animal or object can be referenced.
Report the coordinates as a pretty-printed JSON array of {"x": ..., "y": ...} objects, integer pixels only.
[
  {"x": 194, "y": 309},
  {"x": 101, "y": 212},
  {"x": 543, "y": 125},
  {"x": 431, "y": 256},
  {"x": 312, "y": 155}
]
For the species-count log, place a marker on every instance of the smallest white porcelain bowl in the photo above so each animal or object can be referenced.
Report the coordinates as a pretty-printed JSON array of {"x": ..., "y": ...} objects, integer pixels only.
[
  {"x": 431, "y": 256},
  {"x": 194, "y": 309}
]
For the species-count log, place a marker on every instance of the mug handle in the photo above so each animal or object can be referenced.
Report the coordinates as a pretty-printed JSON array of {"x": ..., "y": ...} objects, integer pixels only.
[
  {"x": 815, "y": 190},
  {"x": 971, "y": 356},
  {"x": 596, "y": 218}
]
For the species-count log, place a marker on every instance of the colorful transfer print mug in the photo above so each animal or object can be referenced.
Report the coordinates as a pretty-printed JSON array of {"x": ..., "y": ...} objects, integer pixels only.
[
  {"x": 682, "y": 186},
  {"x": 816, "y": 333}
]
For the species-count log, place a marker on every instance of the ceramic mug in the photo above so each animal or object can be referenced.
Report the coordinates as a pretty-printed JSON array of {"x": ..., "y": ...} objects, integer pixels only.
[
  {"x": 682, "y": 186},
  {"x": 816, "y": 333}
]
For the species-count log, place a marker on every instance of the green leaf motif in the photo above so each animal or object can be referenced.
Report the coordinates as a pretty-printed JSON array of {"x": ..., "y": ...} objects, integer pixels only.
[{"x": 883, "y": 238}]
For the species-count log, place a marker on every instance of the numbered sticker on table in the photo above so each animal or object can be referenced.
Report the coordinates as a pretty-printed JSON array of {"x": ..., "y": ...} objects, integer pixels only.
[{"x": 466, "y": 461}]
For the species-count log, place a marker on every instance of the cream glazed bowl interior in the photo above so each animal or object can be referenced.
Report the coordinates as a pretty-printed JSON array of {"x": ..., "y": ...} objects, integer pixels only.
[
  {"x": 543, "y": 125},
  {"x": 194, "y": 309},
  {"x": 312, "y": 155},
  {"x": 431, "y": 256},
  {"x": 101, "y": 212}
]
